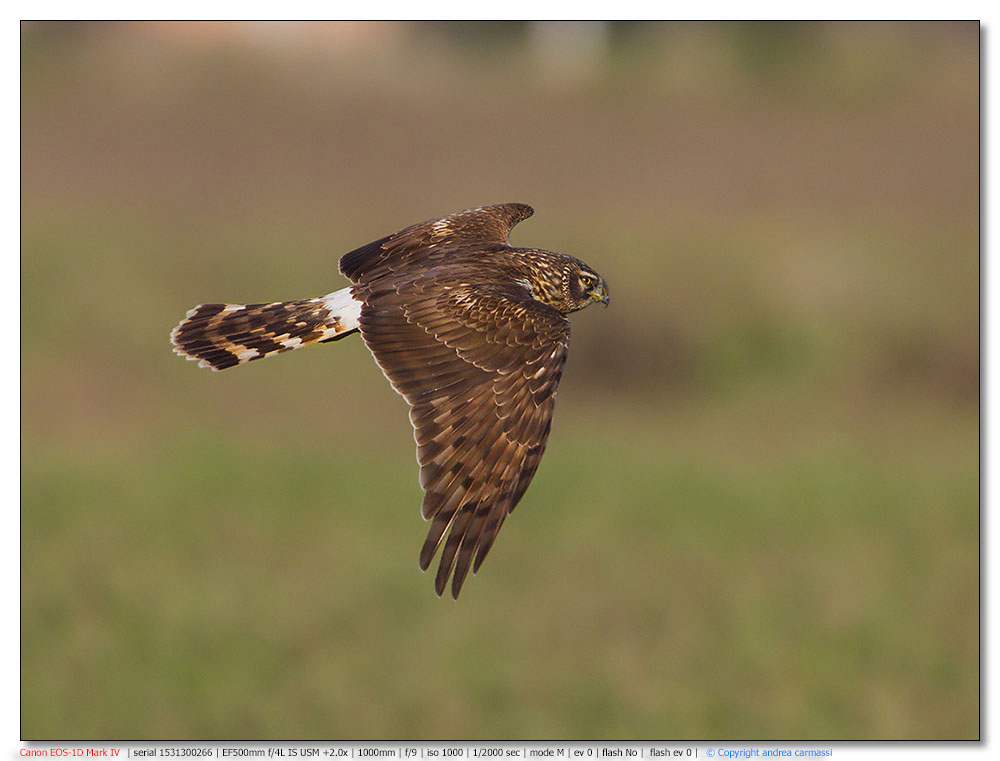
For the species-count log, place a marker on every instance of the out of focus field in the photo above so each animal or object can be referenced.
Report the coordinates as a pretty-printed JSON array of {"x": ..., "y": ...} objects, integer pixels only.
[{"x": 758, "y": 514}]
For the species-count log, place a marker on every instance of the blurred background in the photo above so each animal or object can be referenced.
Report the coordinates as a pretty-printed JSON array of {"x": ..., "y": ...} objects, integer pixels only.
[{"x": 758, "y": 514}]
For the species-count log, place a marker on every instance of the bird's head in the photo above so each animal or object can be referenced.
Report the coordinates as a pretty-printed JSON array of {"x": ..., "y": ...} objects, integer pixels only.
[
  {"x": 561, "y": 281},
  {"x": 583, "y": 287}
]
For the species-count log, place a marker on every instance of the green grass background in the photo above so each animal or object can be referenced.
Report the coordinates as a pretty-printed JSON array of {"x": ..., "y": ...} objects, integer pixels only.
[{"x": 758, "y": 514}]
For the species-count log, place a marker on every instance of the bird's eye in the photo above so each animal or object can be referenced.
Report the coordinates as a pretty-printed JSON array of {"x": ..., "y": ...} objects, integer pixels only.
[{"x": 586, "y": 281}]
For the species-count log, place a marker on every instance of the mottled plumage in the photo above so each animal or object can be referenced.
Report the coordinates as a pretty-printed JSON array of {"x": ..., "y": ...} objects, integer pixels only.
[{"x": 471, "y": 331}]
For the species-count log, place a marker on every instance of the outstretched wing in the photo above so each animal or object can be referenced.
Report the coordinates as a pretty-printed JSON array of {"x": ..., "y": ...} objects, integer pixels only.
[
  {"x": 483, "y": 225},
  {"x": 479, "y": 368}
]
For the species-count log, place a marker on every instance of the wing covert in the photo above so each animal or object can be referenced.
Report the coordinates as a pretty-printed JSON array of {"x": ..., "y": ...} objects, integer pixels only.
[{"x": 480, "y": 369}]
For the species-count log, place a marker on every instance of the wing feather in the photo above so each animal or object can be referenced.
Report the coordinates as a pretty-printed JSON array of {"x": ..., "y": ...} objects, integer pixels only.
[
  {"x": 482, "y": 225},
  {"x": 479, "y": 365}
]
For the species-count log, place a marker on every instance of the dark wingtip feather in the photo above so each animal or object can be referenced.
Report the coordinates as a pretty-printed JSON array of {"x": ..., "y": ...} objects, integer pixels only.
[
  {"x": 433, "y": 540},
  {"x": 425, "y": 557},
  {"x": 441, "y": 579}
]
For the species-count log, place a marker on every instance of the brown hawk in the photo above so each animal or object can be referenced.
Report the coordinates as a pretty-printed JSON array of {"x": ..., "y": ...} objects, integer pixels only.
[{"x": 469, "y": 330}]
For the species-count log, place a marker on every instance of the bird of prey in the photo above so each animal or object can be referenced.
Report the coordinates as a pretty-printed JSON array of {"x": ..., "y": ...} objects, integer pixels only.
[{"x": 471, "y": 331}]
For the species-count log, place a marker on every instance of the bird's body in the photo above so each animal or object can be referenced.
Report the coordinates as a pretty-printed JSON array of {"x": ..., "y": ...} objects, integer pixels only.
[{"x": 470, "y": 331}]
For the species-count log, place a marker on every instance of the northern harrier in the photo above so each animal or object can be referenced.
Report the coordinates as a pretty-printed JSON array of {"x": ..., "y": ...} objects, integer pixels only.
[{"x": 469, "y": 330}]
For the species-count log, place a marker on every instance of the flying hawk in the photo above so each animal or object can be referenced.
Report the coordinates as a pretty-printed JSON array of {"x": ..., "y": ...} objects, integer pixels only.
[{"x": 469, "y": 330}]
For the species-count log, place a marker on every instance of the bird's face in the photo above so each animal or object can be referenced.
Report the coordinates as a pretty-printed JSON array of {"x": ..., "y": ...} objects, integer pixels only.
[{"x": 584, "y": 287}]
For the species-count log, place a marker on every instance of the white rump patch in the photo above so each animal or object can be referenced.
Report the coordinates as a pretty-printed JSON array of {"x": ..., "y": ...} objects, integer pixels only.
[{"x": 345, "y": 308}]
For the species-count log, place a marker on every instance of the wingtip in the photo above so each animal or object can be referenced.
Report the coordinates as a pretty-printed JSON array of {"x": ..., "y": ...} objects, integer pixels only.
[
  {"x": 440, "y": 583},
  {"x": 457, "y": 582},
  {"x": 521, "y": 211}
]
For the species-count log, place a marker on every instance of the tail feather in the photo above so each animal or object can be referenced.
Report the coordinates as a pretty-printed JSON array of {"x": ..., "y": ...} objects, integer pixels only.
[{"x": 225, "y": 335}]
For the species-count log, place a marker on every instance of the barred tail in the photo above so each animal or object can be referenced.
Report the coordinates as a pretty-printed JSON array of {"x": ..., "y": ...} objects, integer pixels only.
[{"x": 224, "y": 335}]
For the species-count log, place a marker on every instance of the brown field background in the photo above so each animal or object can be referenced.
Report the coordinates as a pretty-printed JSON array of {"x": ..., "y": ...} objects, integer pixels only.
[{"x": 758, "y": 514}]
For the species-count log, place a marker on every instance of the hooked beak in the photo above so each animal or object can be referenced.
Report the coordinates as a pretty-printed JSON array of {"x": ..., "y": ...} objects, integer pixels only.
[{"x": 600, "y": 293}]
